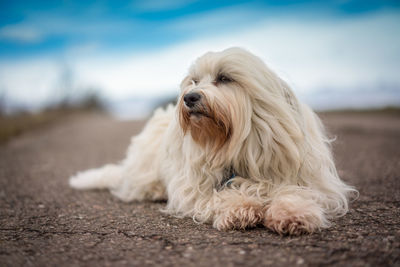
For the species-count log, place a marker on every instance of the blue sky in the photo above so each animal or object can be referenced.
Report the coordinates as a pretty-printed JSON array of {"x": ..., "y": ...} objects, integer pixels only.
[
  {"x": 34, "y": 27},
  {"x": 131, "y": 49}
]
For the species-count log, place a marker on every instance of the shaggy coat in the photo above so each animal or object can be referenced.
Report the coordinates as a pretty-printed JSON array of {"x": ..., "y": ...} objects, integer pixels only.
[{"x": 243, "y": 152}]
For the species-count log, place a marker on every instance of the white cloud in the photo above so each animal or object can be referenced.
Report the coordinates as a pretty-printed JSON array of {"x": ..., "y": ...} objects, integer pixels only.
[
  {"x": 20, "y": 33},
  {"x": 221, "y": 21},
  {"x": 39, "y": 27},
  {"x": 311, "y": 55},
  {"x": 30, "y": 83},
  {"x": 339, "y": 54}
]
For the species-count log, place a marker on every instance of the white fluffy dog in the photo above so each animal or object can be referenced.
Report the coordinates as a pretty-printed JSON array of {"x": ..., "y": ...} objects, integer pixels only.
[{"x": 238, "y": 150}]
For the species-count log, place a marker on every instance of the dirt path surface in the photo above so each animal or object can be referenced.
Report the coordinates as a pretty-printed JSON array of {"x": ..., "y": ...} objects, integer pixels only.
[{"x": 45, "y": 223}]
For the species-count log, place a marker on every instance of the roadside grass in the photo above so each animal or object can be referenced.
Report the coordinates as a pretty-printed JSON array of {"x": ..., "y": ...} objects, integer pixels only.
[{"x": 14, "y": 124}]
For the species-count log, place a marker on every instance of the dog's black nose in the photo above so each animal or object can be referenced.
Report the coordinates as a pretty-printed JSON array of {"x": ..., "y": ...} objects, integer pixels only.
[{"x": 191, "y": 99}]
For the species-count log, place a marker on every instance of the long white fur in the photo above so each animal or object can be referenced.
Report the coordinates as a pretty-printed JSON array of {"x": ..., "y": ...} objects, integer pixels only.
[{"x": 286, "y": 176}]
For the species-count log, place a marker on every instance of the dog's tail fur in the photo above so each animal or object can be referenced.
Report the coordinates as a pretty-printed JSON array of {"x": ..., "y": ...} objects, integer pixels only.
[
  {"x": 137, "y": 177},
  {"x": 106, "y": 177}
]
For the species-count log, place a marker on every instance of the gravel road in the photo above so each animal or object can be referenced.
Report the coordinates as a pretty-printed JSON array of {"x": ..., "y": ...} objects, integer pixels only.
[{"x": 45, "y": 223}]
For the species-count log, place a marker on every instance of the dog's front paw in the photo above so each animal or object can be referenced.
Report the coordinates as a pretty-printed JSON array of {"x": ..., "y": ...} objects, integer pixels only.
[
  {"x": 286, "y": 218},
  {"x": 289, "y": 226},
  {"x": 242, "y": 216}
]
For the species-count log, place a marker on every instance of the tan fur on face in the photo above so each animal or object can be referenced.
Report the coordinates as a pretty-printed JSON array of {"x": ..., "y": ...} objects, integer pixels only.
[{"x": 213, "y": 128}]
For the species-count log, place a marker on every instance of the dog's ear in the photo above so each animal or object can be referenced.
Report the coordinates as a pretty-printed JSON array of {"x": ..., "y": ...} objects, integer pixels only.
[{"x": 273, "y": 148}]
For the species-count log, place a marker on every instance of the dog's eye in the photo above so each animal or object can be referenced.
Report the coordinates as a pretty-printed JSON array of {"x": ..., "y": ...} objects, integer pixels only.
[
  {"x": 223, "y": 79},
  {"x": 195, "y": 81}
]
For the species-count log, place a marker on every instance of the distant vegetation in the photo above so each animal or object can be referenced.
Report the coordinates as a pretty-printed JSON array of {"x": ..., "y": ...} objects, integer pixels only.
[
  {"x": 383, "y": 110},
  {"x": 67, "y": 99},
  {"x": 20, "y": 120}
]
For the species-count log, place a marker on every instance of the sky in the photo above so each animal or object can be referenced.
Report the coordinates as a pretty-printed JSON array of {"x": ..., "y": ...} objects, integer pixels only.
[{"x": 334, "y": 54}]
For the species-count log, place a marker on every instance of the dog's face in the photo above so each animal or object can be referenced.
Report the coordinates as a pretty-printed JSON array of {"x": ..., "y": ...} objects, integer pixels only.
[
  {"x": 210, "y": 101},
  {"x": 218, "y": 95}
]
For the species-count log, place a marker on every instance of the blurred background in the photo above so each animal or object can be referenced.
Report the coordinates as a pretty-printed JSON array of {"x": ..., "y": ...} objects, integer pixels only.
[{"x": 127, "y": 57}]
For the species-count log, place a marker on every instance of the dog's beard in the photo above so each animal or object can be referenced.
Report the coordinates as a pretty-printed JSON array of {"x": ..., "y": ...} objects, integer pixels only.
[{"x": 209, "y": 126}]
